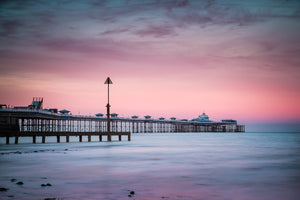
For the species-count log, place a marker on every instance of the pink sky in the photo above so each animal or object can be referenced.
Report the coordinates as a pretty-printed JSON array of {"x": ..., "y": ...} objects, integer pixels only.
[{"x": 165, "y": 58}]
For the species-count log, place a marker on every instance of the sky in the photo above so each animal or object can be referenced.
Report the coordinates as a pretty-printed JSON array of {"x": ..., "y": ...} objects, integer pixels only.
[{"x": 167, "y": 58}]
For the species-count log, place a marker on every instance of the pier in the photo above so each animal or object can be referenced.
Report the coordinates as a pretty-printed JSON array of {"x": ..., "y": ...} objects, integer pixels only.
[{"x": 33, "y": 123}]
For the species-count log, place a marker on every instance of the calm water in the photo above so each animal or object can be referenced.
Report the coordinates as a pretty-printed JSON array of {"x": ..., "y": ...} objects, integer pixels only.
[{"x": 157, "y": 166}]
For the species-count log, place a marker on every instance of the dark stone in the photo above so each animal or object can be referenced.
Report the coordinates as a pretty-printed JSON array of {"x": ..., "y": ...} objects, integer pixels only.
[
  {"x": 129, "y": 195},
  {"x": 48, "y": 184},
  {"x": 132, "y": 193},
  {"x": 35, "y": 151},
  {"x": 43, "y": 177},
  {"x": 50, "y": 199},
  {"x": 43, "y": 185},
  {"x": 66, "y": 149},
  {"x": 13, "y": 180},
  {"x": 20, "y": 183},
  {"x": 10, "y": 196},
  {"x": 3, "y": 189}
]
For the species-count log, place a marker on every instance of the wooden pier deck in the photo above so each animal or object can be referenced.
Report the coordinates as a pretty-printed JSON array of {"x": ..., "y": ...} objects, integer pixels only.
[{"x": 34, "y": 123}]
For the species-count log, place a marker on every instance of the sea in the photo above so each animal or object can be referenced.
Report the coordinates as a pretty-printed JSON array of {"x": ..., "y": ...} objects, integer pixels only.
[{"x": 255, "y": 165}]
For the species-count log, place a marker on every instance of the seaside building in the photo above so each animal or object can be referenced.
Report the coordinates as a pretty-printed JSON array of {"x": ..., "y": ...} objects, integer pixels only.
[
  {"x": 114, "y": 115},
  {"x": 147, "y": 117},
  {"x": 99, "y": 115},
  {"x": 202, "y": 118},
  {"x": 64, "y": 112}
]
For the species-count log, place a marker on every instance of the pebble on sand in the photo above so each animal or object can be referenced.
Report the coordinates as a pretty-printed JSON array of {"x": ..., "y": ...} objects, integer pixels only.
[
  {"x": 20, "y": 183},
  {"x": 3, "y": 189},
  {"x": 44, "y": 185},
  {"x": 132, "y": 193}
]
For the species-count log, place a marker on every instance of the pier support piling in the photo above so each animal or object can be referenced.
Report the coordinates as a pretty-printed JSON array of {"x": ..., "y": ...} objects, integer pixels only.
[
  {"x": 120, "y": 137},
  {"x": 100, "y": 138},
  {"x": 89, "y": 138},
  {"x": 33, "y": 139},
  {"x": 7, "y": 140},
  {"x": 16, "y": 139},
  {"x": 80, "y": 138},
  {"x": 43, "y": 139},
  {"x": 67, "y": 138},
  {"x": 58, "y": 139}
]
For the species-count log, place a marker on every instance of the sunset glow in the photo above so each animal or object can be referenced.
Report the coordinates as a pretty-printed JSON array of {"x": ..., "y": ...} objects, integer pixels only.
[{"x": 166, "y": 58}]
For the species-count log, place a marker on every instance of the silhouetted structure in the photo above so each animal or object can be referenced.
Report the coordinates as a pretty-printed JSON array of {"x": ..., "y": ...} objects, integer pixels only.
[{"x": 22, "y": 123}]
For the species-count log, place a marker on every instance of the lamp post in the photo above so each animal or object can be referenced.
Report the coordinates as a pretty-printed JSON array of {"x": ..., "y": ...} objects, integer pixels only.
[{"x": 108, "y": 81}]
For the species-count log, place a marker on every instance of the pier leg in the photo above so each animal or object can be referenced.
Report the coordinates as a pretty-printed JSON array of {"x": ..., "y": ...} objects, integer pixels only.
[
  {"x": 7, "y": 140},
  {"x": 89, "y": 138},
  {"x": 109, "y": 137},
  {"x": 120, "y": 137},
  {"x": 43, "y": 139},
  {"x": 33, "y": 139},
  {"x": 129, "y": 137},
  {"x": 67, "y": 138},
  {"x": 80, "y": 138},
  {"x": 58, "y": 139},
  {"x": 100, "y": 138},
  {"x": 16, "y": 139}
]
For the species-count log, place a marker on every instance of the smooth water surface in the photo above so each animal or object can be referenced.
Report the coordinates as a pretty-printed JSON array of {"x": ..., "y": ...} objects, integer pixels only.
[{"x": 157, "y": 166}]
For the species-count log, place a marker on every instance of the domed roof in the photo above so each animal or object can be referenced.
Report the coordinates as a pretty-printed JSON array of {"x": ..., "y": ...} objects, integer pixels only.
[{"x": 203, "y": 117}]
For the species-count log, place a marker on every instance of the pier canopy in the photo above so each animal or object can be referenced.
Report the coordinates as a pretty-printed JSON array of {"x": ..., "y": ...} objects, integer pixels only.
[
  {"x": 173, "y": 118},
  {"x": 65, "y": 112},
  {"x": 161, "y": 118},
  {"x": 99, "y": 115},
  {"x": 134, "y": 117},
  {"x": 114, "y": 115},
  {"x": 229, "y": 120},
  {"x": 147, "y": 117},
  {"x": 3, "y": 106}
]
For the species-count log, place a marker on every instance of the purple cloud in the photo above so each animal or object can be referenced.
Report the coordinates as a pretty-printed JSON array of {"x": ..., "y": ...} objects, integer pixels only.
[
  {"x": 157, "y": 31},
  {"x": 115, "y": 31},
  {"x": 10, "y": 27}
]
